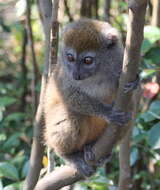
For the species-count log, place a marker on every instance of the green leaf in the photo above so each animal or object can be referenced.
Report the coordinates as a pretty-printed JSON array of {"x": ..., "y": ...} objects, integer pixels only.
[
  {"x": 136, "y": 131},
  {"x": 139, "y": 138},
  {"x": 154, "y": 136},
  {"x": 15, "y": 116},
  {"x": 146, "y": 46},
  {"x": 133, "y": 156},
  {"x": 99, "y": 180},
  {"x": 25, "y": 169},
  {"x": 17, "y": 29},
  {"x": 3, "y": 137},
  {"x": 8, "y": 170},
  {"x": 79, "y": 186},
  {"x": 147, "y": 117},
  {"x": 154, "y": 55},
  {"x": 6, "y": 101},
  {"x": 14, "y": 186},
  {"x": 138, "y": 135},
  {"x": 18, "y": 160},
  {"x": 13, "y": 141},
  {"x": 152, "y": 33},
  {"x": 1, "y": 185},
  {"x": 98, "y": 187},
  {"x": 147, "y": 72},
  {"x": 155, "y": 107},
  {"x": 152, "y": 113},
  {"x": 2, "y": 109},
  {"x": 20, "y": 7}
]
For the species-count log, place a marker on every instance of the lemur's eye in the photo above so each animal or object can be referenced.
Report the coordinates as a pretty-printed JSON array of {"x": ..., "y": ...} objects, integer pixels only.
[
  {"x": 88, "y": 60},
  {"x": 70, "y": 57}
]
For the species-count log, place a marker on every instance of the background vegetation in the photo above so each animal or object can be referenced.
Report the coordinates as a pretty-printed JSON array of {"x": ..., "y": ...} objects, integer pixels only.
[{"x": 21, "y": 63}]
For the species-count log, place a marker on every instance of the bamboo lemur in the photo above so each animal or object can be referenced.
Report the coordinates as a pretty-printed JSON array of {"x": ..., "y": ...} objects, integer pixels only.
[{"x": 81, "y": 92}]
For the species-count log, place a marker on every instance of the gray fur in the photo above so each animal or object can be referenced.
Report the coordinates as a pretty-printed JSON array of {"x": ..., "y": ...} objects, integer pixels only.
[{"x": 91, "y": 95}]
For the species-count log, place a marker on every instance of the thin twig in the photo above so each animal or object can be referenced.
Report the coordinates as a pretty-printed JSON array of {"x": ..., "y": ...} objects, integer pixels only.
[
  {"x": 34, "y": 62},
  {"x": 68, "y": 10},
  {"x": 24, "y": 71}
]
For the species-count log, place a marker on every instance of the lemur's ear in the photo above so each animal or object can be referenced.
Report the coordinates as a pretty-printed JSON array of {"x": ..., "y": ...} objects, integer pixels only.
[{"x": 112, "y": 36}]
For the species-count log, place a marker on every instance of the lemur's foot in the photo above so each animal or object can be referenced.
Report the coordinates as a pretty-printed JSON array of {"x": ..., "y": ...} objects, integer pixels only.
[
  {"x": 90, "y": 156},
  {"x": 77, "y": 160},
  {"x": 118, "y": 117},
  {"x": 132, "y": 85}
]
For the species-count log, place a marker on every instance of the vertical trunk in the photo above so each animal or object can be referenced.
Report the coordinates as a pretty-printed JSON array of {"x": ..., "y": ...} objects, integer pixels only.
[
  {"x": 137, "y": 185},
  {"x": 95, "y": 6},
  {"x": 158, "y": 77},
  {"x": 89, "y": 8},
  {"x": 85, "y": 10},
  {"x": 107, "y": 10},
  {"x": 156, "y": 22},
  {"x": 24, "y": 71},
  {"x": 155, "y": 13}
]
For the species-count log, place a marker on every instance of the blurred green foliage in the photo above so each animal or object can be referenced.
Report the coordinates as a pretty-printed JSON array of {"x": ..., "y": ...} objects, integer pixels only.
[{"x": 16, "y": 123}]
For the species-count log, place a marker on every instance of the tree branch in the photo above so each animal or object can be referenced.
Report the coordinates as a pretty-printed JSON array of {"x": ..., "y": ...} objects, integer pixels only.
[
  {"x": 54, "y": 36},
  {"x": 107, "y": 7},
  {"x": 124, "y": 164},
  {"x": 68, "y": 10},
  {"x": 24, "y": 71},
  {"x": 68, "y": 175},
  {"x": 34, "y": 61},
  {"x": 61, "y": 177},
  {"x": 45, "y": 12},
  {"x": 37, "y": 148},
  {"x": 94, "y": 9},
  {"x": 85, "y": 10},
  {"x": 130, "y": 69}
]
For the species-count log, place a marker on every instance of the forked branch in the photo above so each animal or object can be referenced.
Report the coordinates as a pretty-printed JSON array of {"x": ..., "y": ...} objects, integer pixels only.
[
  {"x": 37, "y": 151},
  {"x": 131, "y": 60},
  {"x": 68, "y": 175}
]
